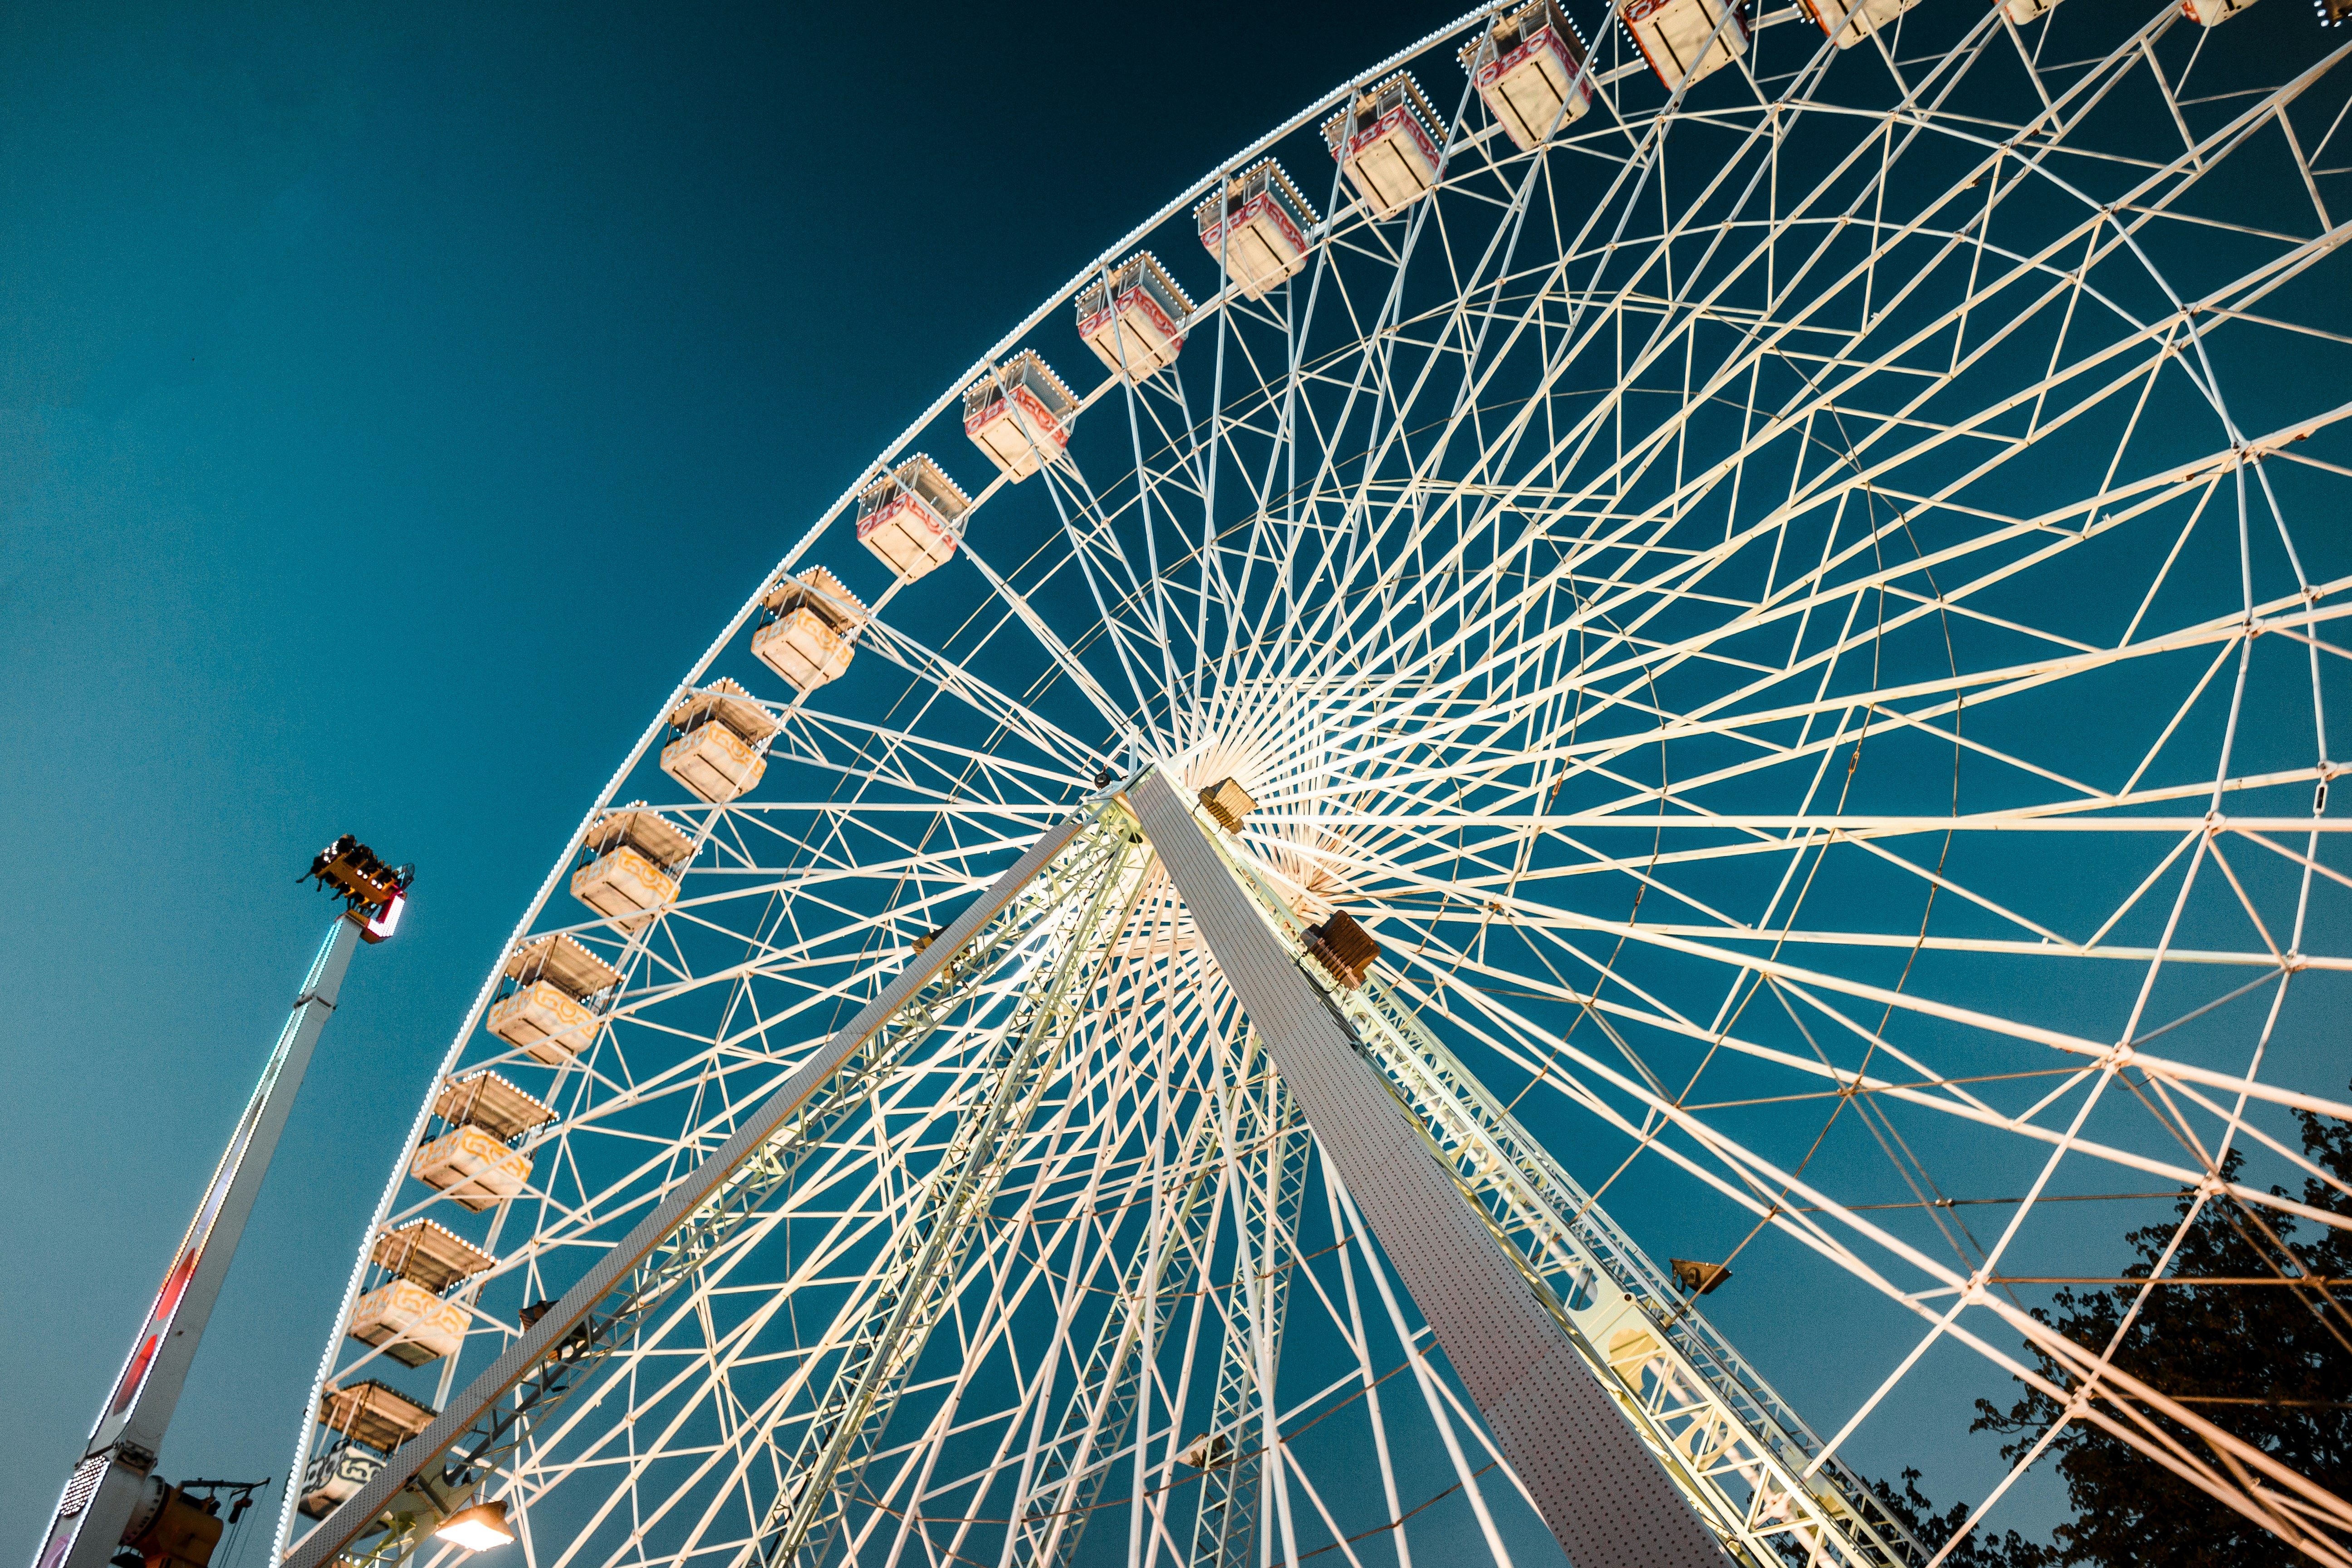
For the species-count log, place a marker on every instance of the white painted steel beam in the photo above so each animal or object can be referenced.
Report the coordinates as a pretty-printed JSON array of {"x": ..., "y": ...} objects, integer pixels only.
[
  {"x": 531, "y": 1351},
  {"x": 1596, "y": 1483},
  {"x": 1711, "y": 1419},
  {"x": 913, "y": 1284}
]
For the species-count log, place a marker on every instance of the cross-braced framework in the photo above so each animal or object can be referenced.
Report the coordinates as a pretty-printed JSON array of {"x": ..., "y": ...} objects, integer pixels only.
[{"x": 1795, "y": 609}]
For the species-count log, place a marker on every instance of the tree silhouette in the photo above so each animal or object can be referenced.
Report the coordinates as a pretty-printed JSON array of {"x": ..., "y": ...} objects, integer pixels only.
[
  {"x": 2270, "y": 1364},
  {"x": 1932, "y": 1530}
]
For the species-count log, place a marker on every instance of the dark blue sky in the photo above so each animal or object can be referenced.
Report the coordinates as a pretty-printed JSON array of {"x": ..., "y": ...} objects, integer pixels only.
[{"x": 392, "y": 403}]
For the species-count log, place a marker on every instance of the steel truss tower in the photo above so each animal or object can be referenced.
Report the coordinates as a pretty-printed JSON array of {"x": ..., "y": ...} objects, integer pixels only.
[{"x": 115, "y": 1480}]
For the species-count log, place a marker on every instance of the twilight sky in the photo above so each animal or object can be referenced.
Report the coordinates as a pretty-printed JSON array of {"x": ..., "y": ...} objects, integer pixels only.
[{"x": 392, "y": 401}]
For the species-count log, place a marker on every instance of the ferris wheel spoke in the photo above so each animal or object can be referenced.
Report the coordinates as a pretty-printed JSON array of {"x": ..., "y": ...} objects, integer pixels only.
[
  {"x": 1994, "y": 685},
  {"x": 1465, "y": 406},
  {"x": 1368, "y": 874},
  {"x": 1168, "y": 620},
  {"x": 953, "y": 679},
  {"x": 761, "y": 1439},
  {"x": 1488, "y": 272},
  {"x": 688, "y": 1391},
  {"x": 1433, "y": 1402},
  {"x": 1299, "y": 412},
  {"x": 1746, "y": 1177},
  {"x": 1823, "y": 396},
  {"x": 640, "y": 1476},
  {"x": 910, "y": 772},
  {"x": 1065, "y": 657},
  {"x": 880, "y": 1342},
  {"x": 1199, "y": 457},
  {"x": 1084, "y": 1207},
  {"x": 1965, "y": 1109},
  {"x": 1138, "y": 645}
]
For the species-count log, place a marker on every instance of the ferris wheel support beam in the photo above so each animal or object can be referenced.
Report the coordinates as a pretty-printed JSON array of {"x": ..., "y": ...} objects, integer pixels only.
[
  {"x": 1269, "y": 1190},
  {"x": 1733, "y": 1445},
  {"x": 696, "y": 1216},
  {"x": 914, "y": 1287},
  {"x": 1113, "y": 1379},
  {"x": 1596, "y": 1484}
]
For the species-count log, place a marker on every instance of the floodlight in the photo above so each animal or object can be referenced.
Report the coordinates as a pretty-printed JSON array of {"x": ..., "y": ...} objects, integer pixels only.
[{"x": 478, "y": 1528}]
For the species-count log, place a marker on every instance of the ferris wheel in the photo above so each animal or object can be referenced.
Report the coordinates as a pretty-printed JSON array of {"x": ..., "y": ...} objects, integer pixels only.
[{"x": 1709, "y": 638}]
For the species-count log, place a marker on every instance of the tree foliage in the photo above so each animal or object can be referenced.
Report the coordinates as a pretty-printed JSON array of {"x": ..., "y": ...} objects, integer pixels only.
[
  {"x": 2269, "y": 1363},
  {"x": 1932, "y": 1530}
]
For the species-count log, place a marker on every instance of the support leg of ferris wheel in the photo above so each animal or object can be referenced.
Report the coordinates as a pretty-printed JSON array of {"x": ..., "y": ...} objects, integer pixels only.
[
  {"x": 924, "y": 1252},
  {"x": 1655, "y": 1446},
  {"x": 1273, "y": 1181},
  {"x": 1027, "y": 913},
  {"x": 1072, "y": 1470},
  {"x": 1737, "y": 1449},
  {"x": 1596, "y": 1483}
]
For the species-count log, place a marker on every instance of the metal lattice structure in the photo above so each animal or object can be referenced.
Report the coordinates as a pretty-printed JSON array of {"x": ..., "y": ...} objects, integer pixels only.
[{"x": 1793, "y": 606}]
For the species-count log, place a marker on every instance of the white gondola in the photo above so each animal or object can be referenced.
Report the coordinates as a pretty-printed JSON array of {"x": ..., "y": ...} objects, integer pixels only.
[
  {"x": 912, "y": 516},
  {"x": 718, "y": 731},
  {"x": 474, "y": 1162},
  {"x": 482, "y": 1098},
  {"x": 373, "y": 1413},
  {"x": 1256, "y": 228},
  {"x": 468, "y": 1164},
  {"x": 411, "y": 1323},
  {"x": 372, "y": 1419},
  {"x": 1684, "y": 40},
  {"x": 1529, "y": 66},
  {"x": 2212, "y": 13},
  {"x": 1387, "y": 142},
  {"x": 630, "y": 875},
  {"x": 544, "y": 1021},
  {"x": 806, "y": 625},
  {"x": 431, "y": 1254},
  {"x": 335, "y": 1474},
  {"x": 2023, "y": 11},
  {"x": 1848, "y": 22},
  {"x": 1133, "y": 317},
  {"x": 552, "y": 1010},
  {"x": 1019, "y": 414}
]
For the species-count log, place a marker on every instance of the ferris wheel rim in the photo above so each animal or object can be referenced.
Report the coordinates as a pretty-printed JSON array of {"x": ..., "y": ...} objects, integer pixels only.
[{"x": 904, "y": 443}]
